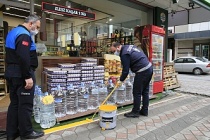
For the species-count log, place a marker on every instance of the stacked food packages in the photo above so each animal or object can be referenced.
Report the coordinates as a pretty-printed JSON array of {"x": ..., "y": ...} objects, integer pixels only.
[{"x": 112, "y": 66}]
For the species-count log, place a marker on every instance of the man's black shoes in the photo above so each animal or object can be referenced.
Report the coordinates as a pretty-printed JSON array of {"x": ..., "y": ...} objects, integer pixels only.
[
  {"x": 131, "y": 115},
  {"x": 33, "y": 135},
  {"x": 143, "y": 113}
]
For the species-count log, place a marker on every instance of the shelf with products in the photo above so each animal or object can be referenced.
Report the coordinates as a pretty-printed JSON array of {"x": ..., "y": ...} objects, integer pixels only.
[{"x": 3, "y": 87}]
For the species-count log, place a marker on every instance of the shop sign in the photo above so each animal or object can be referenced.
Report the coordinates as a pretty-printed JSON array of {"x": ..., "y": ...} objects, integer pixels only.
[{"x": 54, "y": 8}]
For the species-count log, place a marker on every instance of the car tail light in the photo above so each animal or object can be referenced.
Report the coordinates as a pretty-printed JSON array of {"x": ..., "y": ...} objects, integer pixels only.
[{"x": 208, "y": 65}]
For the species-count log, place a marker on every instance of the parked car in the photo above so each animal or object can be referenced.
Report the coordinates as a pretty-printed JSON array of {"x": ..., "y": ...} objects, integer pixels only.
[{"x": 191, "y": 64}]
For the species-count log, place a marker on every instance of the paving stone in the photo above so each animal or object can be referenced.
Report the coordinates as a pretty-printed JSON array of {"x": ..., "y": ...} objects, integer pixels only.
[
  {"x": 202, "y": 128},
  {"x": 54, "y": 137},
  {"x": 168, "y": 131},
  {"x": 150, "y": 136},
  {"x": 207, "y": 134},
  {"x": 122, "y": 130},
  {"x": 110, "y": 138},
  {"x": 109, "y": 134},
  {"x": 72, "y": 137},
  {"x": 58, "y": 132},
  {"x": 141, "y": 127},
  {"x": 142, "y": 132},
  {"x": 179, "y": 137},
  {"x": 98, "y": 138},
  {"x": 80, "y": 129},
  {"x": 190, "y": 137},
  {"x": 67, "y": 133},
  {"x": 94, "y": 135},
  {"x": 121, "y": 135},
  {"x": 202, "y": 138},
  {"x": 171, "y": 138},
  {"x": 197, "y": 133},
  {"x": 132, "y": 131},
  {"x": 132, "y": 136},
  {"x": 93, "y": 125}
]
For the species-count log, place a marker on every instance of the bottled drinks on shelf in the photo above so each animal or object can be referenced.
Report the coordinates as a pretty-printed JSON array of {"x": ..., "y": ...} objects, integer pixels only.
[
  {"x": 93, "y": 96},
  {"x": 120, "y": 93},
  {"x": 47, "y": 112},
  {"x": 102, "y": 91},
  {"x": 60, "y": 102},
  {"x": 129, "y": 90},
  {"x": 110, "y": 87},
  {"x": 71, "y": 100},
  {"x": 82, "y": 98}
]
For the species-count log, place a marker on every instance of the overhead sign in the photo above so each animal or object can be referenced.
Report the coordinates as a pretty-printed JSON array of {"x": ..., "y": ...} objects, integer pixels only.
[{"x": 59, "y": 9}]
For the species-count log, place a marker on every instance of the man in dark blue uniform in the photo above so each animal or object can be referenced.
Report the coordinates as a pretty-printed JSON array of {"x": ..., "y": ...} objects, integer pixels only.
[
  {"x": 137, "y": 61},
  {"x": 21, "y": 61}
]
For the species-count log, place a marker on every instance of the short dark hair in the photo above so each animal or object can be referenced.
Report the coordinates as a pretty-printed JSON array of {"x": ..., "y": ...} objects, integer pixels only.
[{"x": 116, "y": 44}]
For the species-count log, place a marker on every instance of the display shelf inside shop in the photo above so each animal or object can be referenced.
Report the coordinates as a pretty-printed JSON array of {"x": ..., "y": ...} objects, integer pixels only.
[{"x": 3, "y": 87}]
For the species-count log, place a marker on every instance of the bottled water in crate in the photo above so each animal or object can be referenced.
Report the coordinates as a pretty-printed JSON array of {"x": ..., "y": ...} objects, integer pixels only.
[
  {"x": 47, "y": 112},
  {"x": 71, "y": 100},
  {"x": 93, "y": 96},
  {"x": 129, "y": 91},
  {"x": 82, "y": 99},
  {"x": 60, "y": 102},
  {"x": 121, "y": 92},
  {"x": 102, "y": 92},
  {"x": 110, "y": 87}
]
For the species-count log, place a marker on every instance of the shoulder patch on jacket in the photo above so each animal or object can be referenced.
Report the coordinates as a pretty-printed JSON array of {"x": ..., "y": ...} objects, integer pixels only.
[{"x": 25, "y": 43}]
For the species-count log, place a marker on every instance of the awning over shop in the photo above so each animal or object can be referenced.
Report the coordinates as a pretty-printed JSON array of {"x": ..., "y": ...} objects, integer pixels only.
[{"x": 192, "y": 35}]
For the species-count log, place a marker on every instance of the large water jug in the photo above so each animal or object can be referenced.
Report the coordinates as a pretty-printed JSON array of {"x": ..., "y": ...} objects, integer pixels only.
[
  {"x": 129, "y": 91},
  {"x": 82, "y": 98},
  {"x": 47, "y": 112},
  {"x": 93, "y": 96},
  {"x": 102, "y": 92},
  {"x": 36, "y": 106},
  {"x": 110, "y": 87},
  {"x": 121, "y": 92},
  {"x": 71, "y": 100},
  {"x": 60, "y": 102}
]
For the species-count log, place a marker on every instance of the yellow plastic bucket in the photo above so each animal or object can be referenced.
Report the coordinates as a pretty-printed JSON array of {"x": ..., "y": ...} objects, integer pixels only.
[{"x": 108, "y": 116}]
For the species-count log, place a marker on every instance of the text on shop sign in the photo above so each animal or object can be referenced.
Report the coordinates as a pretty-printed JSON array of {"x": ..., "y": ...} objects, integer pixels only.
[{"x": 54, "y": 8}]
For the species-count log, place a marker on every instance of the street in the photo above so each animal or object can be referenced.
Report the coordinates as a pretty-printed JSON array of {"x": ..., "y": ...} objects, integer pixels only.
[{"x": 198, "y": 84}]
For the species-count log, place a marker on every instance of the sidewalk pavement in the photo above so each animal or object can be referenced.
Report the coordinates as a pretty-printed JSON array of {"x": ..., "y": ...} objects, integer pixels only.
[
  {"x": 195, "y": 84},
  {"x": 182, "y": 117}
]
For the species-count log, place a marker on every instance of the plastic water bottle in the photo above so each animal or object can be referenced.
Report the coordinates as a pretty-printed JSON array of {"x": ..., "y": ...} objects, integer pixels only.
[
  {"x": 102, "y": 92},
  {"x": 121, "y": 92},
  {"x": 82, "y": 98},
  {"x": 150, "y": 89},
  {"x": 110, "y": 87},
  {"x": 93, "y": 96},
  {"x": 129, "y": 91},
  {"x": 132, "y": 75},
  {"x": 71, "y": 100},
  {"x": 47, "y": 114},
  {"x": 60, "y": 102},
  {"x": 36, "y": 106}
]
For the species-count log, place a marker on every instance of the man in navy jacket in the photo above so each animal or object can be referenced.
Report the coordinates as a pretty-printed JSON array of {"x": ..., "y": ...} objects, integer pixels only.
[
  {"x": 137, "y": 61},
  {"x": 21, "y": 60}
]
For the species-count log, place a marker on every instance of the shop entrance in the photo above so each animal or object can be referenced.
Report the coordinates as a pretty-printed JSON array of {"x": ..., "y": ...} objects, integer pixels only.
[{"x": 202, "y": 50}]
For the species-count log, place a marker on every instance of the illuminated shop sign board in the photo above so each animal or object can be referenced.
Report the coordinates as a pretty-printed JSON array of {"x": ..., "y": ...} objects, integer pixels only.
[{"x": 59, "y": 9}]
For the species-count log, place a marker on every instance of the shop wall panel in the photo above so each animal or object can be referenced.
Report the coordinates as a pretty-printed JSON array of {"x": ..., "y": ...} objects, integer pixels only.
[
  {"x": 180, "y": 18},
  {"x": 195, "y": 15}
]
